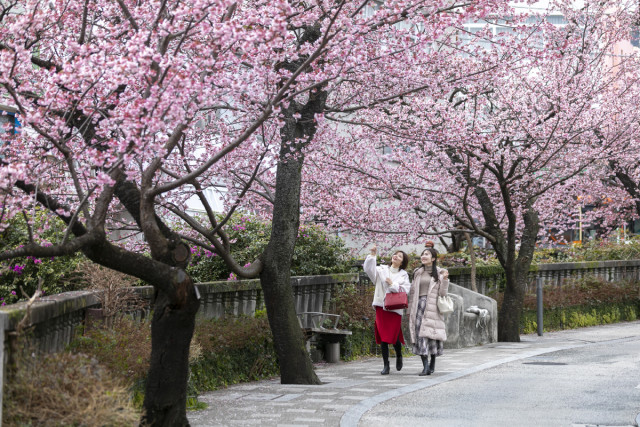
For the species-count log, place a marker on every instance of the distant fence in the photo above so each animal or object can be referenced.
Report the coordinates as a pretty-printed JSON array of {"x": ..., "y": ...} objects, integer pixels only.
[{"x": 491, "y": 279}]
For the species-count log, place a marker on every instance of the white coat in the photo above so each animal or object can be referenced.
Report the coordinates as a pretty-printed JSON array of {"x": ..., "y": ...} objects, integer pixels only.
[{"x": 378, "y": 276}]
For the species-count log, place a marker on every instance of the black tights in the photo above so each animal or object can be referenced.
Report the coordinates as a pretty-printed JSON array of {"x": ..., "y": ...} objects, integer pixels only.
[{"x": 385, "y": 350}]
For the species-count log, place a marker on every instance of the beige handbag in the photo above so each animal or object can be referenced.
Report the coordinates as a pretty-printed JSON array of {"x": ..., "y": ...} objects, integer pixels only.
[{"x": 445, "y": 304}]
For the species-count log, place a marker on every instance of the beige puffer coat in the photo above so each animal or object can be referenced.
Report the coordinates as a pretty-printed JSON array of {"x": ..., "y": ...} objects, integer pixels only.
[{"x": 432, "y": 322}]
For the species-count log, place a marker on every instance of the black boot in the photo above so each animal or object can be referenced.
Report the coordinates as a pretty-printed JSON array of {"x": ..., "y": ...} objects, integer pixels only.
[
  {"x": 425, "y": 363},
  {"x": 432, "y": 365},
  {"x": 398, "y": 348},
  {"x": 385, "y": 358}
]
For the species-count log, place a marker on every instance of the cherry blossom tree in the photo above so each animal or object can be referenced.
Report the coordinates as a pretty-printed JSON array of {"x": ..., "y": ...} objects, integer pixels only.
[
  {"x": 616, "y": 198},
  {"x": 129, "y": 108},
  {"x": 112, "y": 97},
  {"x": 501, "y": 155}
]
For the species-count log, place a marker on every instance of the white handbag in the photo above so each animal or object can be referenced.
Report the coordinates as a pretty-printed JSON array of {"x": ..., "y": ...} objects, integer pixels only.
[{"x": 445, "y": 304}]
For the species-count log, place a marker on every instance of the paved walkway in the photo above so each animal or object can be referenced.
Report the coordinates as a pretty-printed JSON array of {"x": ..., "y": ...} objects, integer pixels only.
[{"x": 350, "y": 389}]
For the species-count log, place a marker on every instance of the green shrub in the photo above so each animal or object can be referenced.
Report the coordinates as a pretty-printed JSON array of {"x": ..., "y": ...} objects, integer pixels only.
[
  {"x": 579, "y": 316},
  {"x": 588, "y": 290},
  {"x": 603, "y": 250},
  {"x": 582, "y": 302},
  {"x": 58, "y": 274},
  {"x": 316, "y": 251},
  {"x": 234, "y": 349},
  {"x": 484, "y": 257},
  {"x": 359, "y": 344},
  {"x": 593, "y": 250}
]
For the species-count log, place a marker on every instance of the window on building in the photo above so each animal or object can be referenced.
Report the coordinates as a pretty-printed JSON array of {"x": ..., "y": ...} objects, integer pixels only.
[
  {"x": 8, "y": 123},
  {"x": 635, "y": 37}
]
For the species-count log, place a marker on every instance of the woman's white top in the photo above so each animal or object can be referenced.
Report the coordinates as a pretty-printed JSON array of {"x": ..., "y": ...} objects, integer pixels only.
[{"x": 379, "y": 274}]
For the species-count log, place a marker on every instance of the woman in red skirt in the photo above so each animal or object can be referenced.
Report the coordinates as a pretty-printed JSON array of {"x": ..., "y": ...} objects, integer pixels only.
[{"x": 388, "y": 279}]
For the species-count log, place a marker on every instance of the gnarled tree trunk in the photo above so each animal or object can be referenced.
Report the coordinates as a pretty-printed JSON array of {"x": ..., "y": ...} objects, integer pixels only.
[
  {"x": 171, "y": 332},
  {"x": 275, "y": 278},
  {"x": 516, "y": 264},
  {"x": 517, "y": 275}
]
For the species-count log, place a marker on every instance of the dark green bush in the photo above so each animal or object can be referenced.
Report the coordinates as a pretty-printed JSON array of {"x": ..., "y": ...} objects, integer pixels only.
[
  {"x": 316, "y": 251},
  {"x": 234, "y": 349}
]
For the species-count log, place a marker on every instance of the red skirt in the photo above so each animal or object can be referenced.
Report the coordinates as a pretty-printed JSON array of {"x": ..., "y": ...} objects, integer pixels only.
[{"x": 388, "y": 327}]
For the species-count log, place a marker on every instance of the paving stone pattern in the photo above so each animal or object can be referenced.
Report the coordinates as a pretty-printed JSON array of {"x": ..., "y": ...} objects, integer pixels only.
[{"x": 349, "y": 389}]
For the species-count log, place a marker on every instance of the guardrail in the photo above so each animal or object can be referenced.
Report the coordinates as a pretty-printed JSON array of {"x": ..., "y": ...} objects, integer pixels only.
[{"x": 490, "y": 279}]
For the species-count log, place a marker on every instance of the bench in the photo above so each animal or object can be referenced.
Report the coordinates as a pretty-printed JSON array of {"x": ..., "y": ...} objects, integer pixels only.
[{"x": 324, "y": 326}]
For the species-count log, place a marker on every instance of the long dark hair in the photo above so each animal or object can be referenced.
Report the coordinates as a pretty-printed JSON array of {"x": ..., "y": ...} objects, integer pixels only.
[
  {"x": 434, "y": 264},
  {"x": 405, "y": 260}
]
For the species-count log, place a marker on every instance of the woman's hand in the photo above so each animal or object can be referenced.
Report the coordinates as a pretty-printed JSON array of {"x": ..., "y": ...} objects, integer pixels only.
[
  {"x": 374, "y": 250},
  {"x": 389, "y": 282},
  {"x": 445, "y": 275}
]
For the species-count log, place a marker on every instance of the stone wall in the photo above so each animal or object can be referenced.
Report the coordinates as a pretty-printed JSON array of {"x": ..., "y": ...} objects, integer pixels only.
[{"x": 466, "y": 329}]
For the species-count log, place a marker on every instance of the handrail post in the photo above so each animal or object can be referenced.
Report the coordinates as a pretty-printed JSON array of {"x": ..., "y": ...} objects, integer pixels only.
[{"x": 540, "y": 305}]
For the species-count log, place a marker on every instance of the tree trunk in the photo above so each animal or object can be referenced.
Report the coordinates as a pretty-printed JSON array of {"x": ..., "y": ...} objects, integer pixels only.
[
  {"x": 630, "y": 187},
  {"x": 275, "y": 278},
  {"x": 516, "y": 269},
  {"x": 166, "y": 389},
  {"x": 517, "y": 275},
  {"x": 456, "y": 242},
  {"x": 511, "y": 309},
  {"x": 472, "y": 255}
]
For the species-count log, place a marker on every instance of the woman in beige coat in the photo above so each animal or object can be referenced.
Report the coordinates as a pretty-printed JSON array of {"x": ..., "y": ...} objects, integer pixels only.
[{"x": 426, "y": 323}]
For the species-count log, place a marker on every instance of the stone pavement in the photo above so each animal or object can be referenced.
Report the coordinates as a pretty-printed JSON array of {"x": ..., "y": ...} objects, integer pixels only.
[{"x": 350, "y": 389}]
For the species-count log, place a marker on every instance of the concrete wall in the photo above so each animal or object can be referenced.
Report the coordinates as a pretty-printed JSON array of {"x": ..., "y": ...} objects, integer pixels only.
[{"x": 463, "y": 329}]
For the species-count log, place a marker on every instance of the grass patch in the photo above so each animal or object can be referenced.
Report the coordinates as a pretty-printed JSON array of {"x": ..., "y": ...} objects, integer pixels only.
[
  {"x": 66, "y": 389},
  {"x": 223, "y": 352}
]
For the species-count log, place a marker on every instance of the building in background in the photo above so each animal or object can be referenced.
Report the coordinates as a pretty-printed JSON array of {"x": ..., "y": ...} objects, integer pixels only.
[{"x": 9, "y": 123}]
